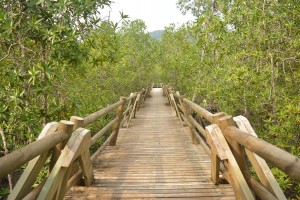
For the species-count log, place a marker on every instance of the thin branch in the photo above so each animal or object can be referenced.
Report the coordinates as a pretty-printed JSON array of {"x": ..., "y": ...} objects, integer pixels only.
[{"x": 8, "y": 53}]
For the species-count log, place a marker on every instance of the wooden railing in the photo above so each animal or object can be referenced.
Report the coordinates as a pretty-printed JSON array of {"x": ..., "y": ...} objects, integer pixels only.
[
  {"x": 67, "y": 146},
  {"x": 232, "y": 144}
]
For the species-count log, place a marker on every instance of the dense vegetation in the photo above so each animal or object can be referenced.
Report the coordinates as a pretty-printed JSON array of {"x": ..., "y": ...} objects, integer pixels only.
[{"x": 58, "y": 59}]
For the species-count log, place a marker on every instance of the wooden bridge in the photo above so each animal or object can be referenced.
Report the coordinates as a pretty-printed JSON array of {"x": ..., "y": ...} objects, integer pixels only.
[
  {"x": 155, "y": 149},
  {"x": 153, "y": 158}
]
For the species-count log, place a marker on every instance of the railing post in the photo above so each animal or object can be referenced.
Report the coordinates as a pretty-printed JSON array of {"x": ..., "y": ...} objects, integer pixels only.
[
  {"x": 135, "y": 107},
  {"x": 127, "y": 115},
  {"x": 222, "y": 150},
  {"x": 187, "y": 113},
  {"x": 144, "y": 96},
  {"x": 215, "y": 160},
  {"x": 78, "y": 123},
  {"x": 175, "y": 105},
  {"x": 237, "y": 150},
  {"x": 141, "y": 99},
  {"x": 116, "y": 127},
  {"x": 216, "y": 118},
  {"x": 168, "y": 95},
  {"x": 133, "y": 110},
  {"x": 65, "y": 127},
  {"x": 164, "y": 90}
]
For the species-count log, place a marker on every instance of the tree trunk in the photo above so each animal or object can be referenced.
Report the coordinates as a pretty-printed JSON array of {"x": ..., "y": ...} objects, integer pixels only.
[
  {"x": 273, "y": 90},
  {"x": 43, "y": 80}
]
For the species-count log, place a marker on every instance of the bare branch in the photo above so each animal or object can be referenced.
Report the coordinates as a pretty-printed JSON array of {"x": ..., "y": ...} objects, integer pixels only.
[{"x": 8, "y": 53}]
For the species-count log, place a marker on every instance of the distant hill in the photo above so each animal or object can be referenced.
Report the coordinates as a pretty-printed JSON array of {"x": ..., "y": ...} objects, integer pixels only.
[{"x": 157, "y": 34}]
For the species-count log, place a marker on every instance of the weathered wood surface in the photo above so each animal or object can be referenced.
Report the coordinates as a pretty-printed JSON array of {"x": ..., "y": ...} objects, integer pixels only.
[{"x": 153, "y": 159}]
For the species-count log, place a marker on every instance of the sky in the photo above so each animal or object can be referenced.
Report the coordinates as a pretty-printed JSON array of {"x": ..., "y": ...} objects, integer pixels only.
[{"x": 155, "y": 13}]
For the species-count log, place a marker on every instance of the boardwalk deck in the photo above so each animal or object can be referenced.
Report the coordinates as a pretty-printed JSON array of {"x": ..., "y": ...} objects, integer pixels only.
[{"x": 154, "y": 158}]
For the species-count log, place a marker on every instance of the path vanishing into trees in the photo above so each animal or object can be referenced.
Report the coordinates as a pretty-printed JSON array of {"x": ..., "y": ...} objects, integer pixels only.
[{"x": 153, "y": 158}]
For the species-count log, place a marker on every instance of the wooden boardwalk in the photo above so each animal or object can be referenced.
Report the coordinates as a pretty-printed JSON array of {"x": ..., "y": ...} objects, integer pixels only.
[{"x": 154, "y": 158}]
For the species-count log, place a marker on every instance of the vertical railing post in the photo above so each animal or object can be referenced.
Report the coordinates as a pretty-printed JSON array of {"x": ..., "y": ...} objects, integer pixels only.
[
  {"x": 134, "y": 108},
  {"x": 237, "y": 150},
  {"x": 187, "y": 113},
  {"x": 215, "y": 160},
  {"x": 136, "y": 104},
  {"x": 65, "y": 127},
  {"x": 168, "y": 95},
  {"x": 144, "y": 96},
  {"x": 78, "y": 123},
  {"x": 178, "y": 105},
  {"x": 116, "y": 127},
  {"x": 175, "y": 104},
  {"x": 140, "y": 102},
  {"x": 127, "y": 115},
  {"x": 164, "y": 91}
]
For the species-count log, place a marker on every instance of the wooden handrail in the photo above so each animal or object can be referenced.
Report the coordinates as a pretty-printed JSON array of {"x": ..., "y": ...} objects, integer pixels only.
[
  {"x": 103, "y": 130},
  {"x": 96, "y": 115},
  {"x": 201, "y": 111},
  {"x": 17, "y": 158},
  {"x": 131, "y": 96},
  {"x": 279, "y": 158},
  {"x": 127, "y": 110}
]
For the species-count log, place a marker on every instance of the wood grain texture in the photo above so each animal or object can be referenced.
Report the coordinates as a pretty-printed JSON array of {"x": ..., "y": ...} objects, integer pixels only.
[{"x": 154, "y": 158}]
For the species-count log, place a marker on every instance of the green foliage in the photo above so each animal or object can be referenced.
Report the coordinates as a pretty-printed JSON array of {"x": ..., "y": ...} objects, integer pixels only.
[
  {"x": 40, "y": 41},
  {"x": 283, "y": 180},
  {"x": 4, "y": 191}
]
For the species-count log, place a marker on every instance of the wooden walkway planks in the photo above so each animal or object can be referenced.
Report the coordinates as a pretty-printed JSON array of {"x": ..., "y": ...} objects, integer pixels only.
[{"x": 154, "y": 158}]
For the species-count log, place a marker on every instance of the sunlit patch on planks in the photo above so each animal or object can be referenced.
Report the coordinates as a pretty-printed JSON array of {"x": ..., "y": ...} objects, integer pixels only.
[{"x": 154, "y": 158}]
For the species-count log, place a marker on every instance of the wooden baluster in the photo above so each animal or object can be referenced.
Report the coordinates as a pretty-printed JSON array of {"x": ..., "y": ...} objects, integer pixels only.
[
  {"x": 237, "y": 150},
  {"x": 176, "y": 106},
  {"x": 136, "y": 104},
  {"x": 187, "y": 113},
  {"x": 145, "y": 95},
  {"x": 236, "y": 178},
  {"x": 78, "y": 123},
  {"x": 215, "y": 160},
  {"x": 56, "y": 184},
  {"x": 216, "y": 118},
  {"x": 180, "y": 105},
  {"x": 169, "y": 97},
  {"x": 164, "y": 91},
  {"x": 116, "y": 127},
  {"x": 142, "y": 93},
  {"x": 130, "y": 103},
  {"x": 65, "y": 127},
  {"x": 133, "y": 110}
]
